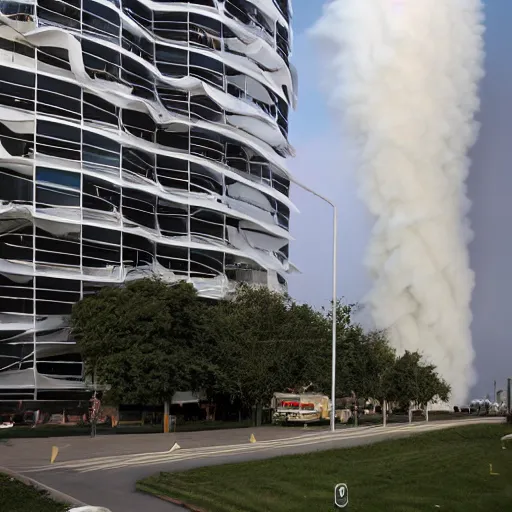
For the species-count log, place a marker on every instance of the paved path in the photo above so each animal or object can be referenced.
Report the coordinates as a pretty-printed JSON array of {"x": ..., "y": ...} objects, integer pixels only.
[
  {"x": 21, "y": 453},
  {"x": 102, "y": 473}
]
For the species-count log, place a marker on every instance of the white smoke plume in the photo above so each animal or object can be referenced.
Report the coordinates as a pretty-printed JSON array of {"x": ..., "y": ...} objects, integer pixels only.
[{"x": 403, "y": 77}]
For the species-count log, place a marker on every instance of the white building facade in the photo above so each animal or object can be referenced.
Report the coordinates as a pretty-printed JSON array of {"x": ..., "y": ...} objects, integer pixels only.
[{"x": 137, "y": 138}]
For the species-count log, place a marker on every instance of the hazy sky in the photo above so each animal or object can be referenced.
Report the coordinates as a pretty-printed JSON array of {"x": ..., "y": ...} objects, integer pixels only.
[{"x": 323, "y": 163}]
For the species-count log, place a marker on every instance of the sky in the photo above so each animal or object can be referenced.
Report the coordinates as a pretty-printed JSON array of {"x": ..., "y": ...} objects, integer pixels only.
[{"x": 323, "y": 162}]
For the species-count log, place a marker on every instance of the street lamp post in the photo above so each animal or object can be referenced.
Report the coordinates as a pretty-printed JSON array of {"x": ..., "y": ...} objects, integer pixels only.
[{"x": 334, "y": 296}]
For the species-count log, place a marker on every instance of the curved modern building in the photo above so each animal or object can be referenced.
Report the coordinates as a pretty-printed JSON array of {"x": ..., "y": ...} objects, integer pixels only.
[{"x": 137, "y": 138}]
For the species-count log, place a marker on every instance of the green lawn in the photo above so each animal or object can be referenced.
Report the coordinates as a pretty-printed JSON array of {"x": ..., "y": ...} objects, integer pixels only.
[
  {"x": 446, "y": 470},
  {"x": 18, "y": 497}
]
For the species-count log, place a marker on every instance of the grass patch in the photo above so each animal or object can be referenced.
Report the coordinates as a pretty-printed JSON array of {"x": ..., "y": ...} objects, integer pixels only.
[
  {"x": 446, "y": 470},
  {"x": 15, "y": 496}
]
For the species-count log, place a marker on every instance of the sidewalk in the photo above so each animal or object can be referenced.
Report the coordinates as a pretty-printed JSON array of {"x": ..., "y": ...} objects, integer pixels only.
[{"x": 21, "y": 453}]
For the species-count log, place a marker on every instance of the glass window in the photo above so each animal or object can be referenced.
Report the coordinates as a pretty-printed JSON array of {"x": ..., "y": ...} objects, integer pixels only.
[
  {"x": 99, "y": 19},
  {"x": 58, "y": 177},
  {"x": 62, "y": 141},
  {"x": 17, "y": 88},
  {"x": 52, "y": 196},
  {"x": 15, "y": 187},
  {"x": 205, "y": 31},
  {"x": 99, "y": 110},
  {"x": 16, "y": 47},
  {"x": 171, "y": 55},
  {"x": 56, "y": 251},
  {"x": 206, "y": 223},
  {"x": 100, "y": 61},
  {"x": 58, "y": 98},
  {"x": 138, "y": 76},
  {"x": 206, "y": 263},
  {"x": 17, "y": 245},
  {"x": 203, "y": 179},
  {"x": 173, "y": 258},
  {"x": 207, "y": 69},
  {"x": 172, "y": 218},
  {"x": 138, "y": 163},
  {"x": 172, "y": 172},
  {"x": 138, "y": 45},
  {"x": 171, "y": 25},
  {"x": 138, "y": 12},
  {"x": 139, "y": 207},
  {"x": 100, "y": 195},
  {"x": 171, "y": 61},
  {"x": 139, "y": 124},
  {"x": 54, "y": 56},
  {"x": 94, "y": 233},
  {"x": 137, "y": 250},
  {"x": 16, "y": 11},
  {"x": 98, "y": 255},
  {"x": 60, "y": 13},
  {"x": 100, "y": 150},
  {"x": 174, "y": 100}
]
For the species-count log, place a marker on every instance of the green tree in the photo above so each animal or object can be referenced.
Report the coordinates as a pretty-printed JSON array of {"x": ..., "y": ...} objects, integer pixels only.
[
  {"x": 265, "y": 342},
  {"x": 431, "y": 387},
  {"x": 145, "y": 340},
  {"x": 373, "y": 358},
  {"x": 364, "y": 360},
  {"x": 412, "y": 380}
]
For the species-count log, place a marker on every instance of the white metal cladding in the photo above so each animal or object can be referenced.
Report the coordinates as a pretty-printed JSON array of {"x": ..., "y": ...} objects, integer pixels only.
[{"x": 137, "y": 138}]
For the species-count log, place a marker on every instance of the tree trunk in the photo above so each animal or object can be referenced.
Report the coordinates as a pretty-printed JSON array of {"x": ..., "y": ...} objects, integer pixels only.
[
  {"x": 426, "y": 413},
  {"x": 384, "y": 412},
  {"x": 259, "y": 411},
  {"x": 410, "y": 414}
]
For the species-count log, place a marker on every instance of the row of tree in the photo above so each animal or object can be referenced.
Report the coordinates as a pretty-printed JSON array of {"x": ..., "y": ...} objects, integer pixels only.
[{"x": 148, "y": 340}]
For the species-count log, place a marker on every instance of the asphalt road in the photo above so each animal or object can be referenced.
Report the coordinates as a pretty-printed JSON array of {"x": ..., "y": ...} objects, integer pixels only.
[{"x": 109, "y": 480}]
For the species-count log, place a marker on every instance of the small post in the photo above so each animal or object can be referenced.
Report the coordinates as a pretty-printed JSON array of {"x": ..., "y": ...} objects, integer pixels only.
[
  {"x": 94, "y": 412},
  {"x": 384, "y": 413},
  {"x": 166, "y": 417},
  {"x": 509, "y": 383}
]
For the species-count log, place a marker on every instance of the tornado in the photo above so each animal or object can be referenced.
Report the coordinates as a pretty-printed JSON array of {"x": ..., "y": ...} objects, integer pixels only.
[{"x": 402, "y": 79}]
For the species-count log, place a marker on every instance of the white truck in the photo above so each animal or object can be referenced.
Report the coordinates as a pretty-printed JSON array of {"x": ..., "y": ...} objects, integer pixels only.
[{"x": 300, "y": 408}]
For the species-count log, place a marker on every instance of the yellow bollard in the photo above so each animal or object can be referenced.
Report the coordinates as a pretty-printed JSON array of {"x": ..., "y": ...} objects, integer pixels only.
[{"x": 55, "y": 452}]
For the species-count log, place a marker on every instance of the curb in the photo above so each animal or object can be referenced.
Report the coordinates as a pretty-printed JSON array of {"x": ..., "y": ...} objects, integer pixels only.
[
  {"x": 174, "y": 501},
  {"x": 54, "y": 493}
]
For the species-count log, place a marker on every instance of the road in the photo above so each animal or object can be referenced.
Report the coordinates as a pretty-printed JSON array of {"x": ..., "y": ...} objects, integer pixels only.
[{"x": 109, "y": 480}]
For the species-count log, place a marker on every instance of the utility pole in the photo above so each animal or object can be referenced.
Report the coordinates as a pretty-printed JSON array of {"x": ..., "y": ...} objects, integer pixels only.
[
  {"x": 334, "y": 304},
  {"x": 494, "y": 401}
]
